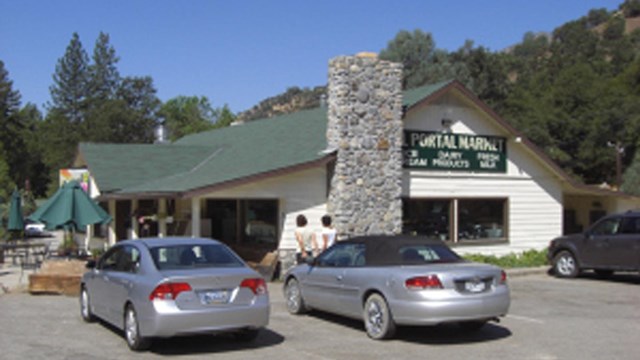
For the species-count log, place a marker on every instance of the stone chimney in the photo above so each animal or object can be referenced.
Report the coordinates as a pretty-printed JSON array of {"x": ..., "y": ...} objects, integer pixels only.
[{"x": 365, "y": 127}]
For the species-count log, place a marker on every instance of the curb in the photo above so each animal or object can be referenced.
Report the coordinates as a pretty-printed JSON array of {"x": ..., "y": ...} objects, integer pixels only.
[{"x": 517, "y": 272}]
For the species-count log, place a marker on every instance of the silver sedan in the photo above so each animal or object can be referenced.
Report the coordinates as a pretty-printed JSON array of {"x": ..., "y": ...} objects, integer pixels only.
[
  {"x": 398, "y": 280},
  {"x": 174, "y": 286}
]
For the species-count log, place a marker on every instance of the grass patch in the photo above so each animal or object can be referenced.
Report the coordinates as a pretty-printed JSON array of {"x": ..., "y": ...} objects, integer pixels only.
[{"x": 529, "y": 258}]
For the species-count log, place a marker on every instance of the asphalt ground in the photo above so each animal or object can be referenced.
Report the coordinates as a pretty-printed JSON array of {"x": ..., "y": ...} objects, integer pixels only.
[{"x": 585, "y": 318}]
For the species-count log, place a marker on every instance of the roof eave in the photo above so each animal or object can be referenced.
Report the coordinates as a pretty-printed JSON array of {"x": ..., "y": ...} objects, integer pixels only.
[{"x": 259, "y": 176}]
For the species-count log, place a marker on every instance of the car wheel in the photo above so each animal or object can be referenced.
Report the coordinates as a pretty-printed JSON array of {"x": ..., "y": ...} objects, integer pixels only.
[
  {"x": 132, "y": 331},
  {"x": 295, "y": 302},
  {"x": 471, "y": 326},
  {"x": 247, "y": 335},
  {"x": 565, "y": 265},
  {"x": 378, "y": 320},
  {"x": 85, "y": 306},
  {"x": 603, "y": 273}
]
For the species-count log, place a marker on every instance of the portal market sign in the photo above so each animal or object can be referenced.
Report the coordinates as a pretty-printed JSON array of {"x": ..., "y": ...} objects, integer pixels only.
[{"x": 454, "y": 152}]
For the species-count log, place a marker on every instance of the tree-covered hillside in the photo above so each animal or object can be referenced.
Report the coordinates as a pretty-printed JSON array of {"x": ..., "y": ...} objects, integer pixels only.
[{"x": 574, "y": 92}]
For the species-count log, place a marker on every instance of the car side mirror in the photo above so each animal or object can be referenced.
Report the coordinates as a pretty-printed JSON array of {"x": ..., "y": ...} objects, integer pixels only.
[
  {"x": 91, "y": 264},
  {"x": 310, "y": 260}
]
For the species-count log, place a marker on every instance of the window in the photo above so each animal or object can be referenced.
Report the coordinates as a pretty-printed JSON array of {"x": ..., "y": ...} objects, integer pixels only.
[
  {"x": 631, "y": 225},
  {"x": 606, "y": 227},
  {"x": 120, "y": 258},
  {"x": 456, "y": 220},
  {"x": 244, "y": 222},
  {"x": 426, "y": 254},
  {"x": 429, "y": 218},
  {"x": 190, "y": 256},
  {"x": 480, "y": 219},
  {"x": 343, "y": 255}
]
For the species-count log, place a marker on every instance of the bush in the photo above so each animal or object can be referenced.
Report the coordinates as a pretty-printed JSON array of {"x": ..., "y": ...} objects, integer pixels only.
[{"x": 529, "y": 258}]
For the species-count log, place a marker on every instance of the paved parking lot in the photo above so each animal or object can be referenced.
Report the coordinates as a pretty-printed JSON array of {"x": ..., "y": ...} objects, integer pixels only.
[{"x": 586, "y": 318}]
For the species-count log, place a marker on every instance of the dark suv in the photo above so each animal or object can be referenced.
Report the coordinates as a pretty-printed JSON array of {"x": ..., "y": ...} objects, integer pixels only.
[{"x": 611, "y": 244}]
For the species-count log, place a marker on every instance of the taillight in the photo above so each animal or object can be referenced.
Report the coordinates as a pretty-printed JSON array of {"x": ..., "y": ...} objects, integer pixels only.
[
  {"x": 257, "y": 285},
  {"x": 168, "y": 291},
  {"x": 503, "y": 277},
  {"x": 423, "y": 282}
]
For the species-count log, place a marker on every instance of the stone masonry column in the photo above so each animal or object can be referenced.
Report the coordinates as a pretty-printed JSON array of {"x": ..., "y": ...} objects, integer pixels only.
[{"x": 365, "y": 127}]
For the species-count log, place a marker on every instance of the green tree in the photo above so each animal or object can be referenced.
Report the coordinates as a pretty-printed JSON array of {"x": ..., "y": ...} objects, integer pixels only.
[
  {"x": 630, "y": 8},
  {"x": 59, "y": 138},
  {"x": 10, "y": 126},
  {"x": 482, "y": 71},
  {"x": 139, "y": 94},
  {"x": 185, "y": 115},
  {"x": 113, "y": 121},
  {"x": 423, "y": 63},
  {"x": 70, "y": 82},
  {"x": 18, "y": 128},
  {"x": 631, "y": 178},
  {"x": 226, "y": 117},
  {"x": 104, "y": 78}
]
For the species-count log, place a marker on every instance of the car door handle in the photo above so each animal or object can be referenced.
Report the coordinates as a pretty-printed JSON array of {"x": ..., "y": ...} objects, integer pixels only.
[{"x": 339, "y": 277}]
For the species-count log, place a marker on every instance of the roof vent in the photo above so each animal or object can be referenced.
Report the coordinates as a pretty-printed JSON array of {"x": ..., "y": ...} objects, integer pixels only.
[{"x": 160, "y": 134}]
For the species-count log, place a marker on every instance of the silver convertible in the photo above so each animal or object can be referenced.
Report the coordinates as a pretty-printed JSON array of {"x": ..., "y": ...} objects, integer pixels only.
[
  {"x": 174, "y": 286},
  {"x": 398, "y": 280}
]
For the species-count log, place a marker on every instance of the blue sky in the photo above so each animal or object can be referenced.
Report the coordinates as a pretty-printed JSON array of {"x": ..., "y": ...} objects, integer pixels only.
[{"x": 239, "y": 52}]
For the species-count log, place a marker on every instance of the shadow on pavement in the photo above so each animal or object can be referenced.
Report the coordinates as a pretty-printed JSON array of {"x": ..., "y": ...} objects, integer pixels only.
[
  {"x": 631, "y": 278},
  {"x": 212, "y": 344},
  {"x": 204, "y": 344},
  {"x": 433, "y": 335},
  {"x": 621, "y": 278}
]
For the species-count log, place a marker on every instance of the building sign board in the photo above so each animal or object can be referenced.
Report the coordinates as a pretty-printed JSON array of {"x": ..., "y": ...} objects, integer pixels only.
[{"x": 454, "y": 152}]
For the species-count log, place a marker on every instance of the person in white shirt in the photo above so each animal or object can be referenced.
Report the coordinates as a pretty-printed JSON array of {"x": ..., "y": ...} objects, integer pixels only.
[
  {"x": 328, "y": 234},
  {"x": 306, "y": 238}
]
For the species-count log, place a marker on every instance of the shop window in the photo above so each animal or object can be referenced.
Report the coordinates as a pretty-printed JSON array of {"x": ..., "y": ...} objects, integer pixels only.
[
  {"x": 244, "y": 222},
  {"x": 261, "y": 220},
  {"x": 476, "y": 220},
  {"x": 481, "y": 219},
  {"x": 430, "y": 218}
]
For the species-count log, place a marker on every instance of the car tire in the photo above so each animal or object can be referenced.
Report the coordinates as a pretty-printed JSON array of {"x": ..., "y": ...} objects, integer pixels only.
[
  {"x": 247, "y": 335},
  {"x": 565, "y": 265},
  {"x": 293, "y": 297},
  {"x": 85, "y": 306},
  {"x": 132, "y": 331},
  {"x": 378, "y": 320}
]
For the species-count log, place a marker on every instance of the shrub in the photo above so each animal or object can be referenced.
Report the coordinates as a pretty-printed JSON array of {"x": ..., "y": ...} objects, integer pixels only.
[{"x": 529, "y": 258}]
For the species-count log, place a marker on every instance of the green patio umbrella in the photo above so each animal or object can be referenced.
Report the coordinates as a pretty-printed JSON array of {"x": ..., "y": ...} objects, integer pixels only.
[
  {"x": 16, "y": 222},
  {"x": 70, "y": 207}
]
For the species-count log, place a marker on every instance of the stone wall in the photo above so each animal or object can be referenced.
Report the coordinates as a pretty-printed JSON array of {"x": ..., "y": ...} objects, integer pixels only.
[{"x": 365, "y": 127}]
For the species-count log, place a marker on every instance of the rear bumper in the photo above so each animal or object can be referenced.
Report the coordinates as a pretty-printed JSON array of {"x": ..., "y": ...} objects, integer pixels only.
[
  {"x": 443, "y": 309},
  {"x": 166, "y": 320}
]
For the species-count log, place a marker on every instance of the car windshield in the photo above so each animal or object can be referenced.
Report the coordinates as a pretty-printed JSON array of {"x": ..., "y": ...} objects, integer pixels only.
[{"x": 190, "y": 256}]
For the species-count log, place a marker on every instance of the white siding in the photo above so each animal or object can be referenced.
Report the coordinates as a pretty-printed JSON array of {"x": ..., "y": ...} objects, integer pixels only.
[
  {"x": 303, "y": 192},
  {"x": 533, "y": 193}
]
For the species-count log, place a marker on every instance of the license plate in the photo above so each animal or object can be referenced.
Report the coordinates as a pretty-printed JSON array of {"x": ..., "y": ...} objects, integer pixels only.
[
  {"x": 214, "y": 297},
  {"x": 474, "y": 286}
]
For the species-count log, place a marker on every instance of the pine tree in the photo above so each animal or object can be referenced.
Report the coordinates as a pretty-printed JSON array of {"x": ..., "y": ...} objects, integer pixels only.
[
  {"x": 104, "y": 77},
  {"x": 69, "y": 91}
]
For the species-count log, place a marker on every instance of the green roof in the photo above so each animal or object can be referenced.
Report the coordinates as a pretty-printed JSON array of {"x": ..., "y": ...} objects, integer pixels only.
[
  {"x": 218, "y": 156},
  {"x": 209, "y": 158},
  {"x": 413, "y": 96}
]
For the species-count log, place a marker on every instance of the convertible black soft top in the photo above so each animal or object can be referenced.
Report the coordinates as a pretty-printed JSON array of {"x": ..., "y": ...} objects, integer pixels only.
[{"x": 386, "y": 250}]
